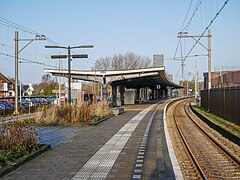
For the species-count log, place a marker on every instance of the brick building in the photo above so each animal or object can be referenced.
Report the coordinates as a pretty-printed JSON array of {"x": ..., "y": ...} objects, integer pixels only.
[
  {"x": 6, "y": 87},
  {"x": 223, "y": 79}
]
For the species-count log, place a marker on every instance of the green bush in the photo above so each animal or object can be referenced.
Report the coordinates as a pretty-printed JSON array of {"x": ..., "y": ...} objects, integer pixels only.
[{"x": 4, "y": 157}]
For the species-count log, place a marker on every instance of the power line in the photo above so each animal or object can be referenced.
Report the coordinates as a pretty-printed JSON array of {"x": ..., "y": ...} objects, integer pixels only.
[
  {"x": 27, "y": 60},
  {"x": 189, "y": 7},
  {"x": 186, "y": 14},
  {"x": 225, "y": 3},
  {"x": 14, "y": 25},
  {"x": 194, "y": 13},
  {"x": 6, "y": 45},
  {"x": 188, "y": 24}
]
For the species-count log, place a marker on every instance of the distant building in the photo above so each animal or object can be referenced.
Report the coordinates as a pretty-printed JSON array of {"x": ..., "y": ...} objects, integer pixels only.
[
  {"x": 76, "y": 92},
  {"x": 6, "y": 87},
  {"x": 223, "y": 79},
  {"x": 158, "y": 60}
]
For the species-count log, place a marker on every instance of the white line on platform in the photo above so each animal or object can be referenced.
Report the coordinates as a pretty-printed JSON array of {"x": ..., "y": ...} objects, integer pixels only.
[
  {"x": 102, "y": 161},
  {"x": 176, "y": 167}
]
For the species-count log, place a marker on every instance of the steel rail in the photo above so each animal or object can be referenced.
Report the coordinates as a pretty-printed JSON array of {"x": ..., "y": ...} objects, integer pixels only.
[
  {"x": 235, "y": 159},
  {"x": 188, "y": 148}
]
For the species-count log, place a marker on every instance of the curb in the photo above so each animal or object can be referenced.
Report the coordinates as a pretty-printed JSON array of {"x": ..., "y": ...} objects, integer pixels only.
[
  {"x": 104, "y": 119},
  {"x": 21, "y": 161},
  {"x": 176, "y": 168}
]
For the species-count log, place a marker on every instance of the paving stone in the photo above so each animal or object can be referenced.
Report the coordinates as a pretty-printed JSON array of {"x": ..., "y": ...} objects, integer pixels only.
[
  {"x": 74, "y": 146},
  {"x": 71, "y": 153}
]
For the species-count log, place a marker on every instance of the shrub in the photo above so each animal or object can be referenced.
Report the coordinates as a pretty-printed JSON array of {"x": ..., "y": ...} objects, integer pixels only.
[
  {"x": 4, "y": 156},
  {"x": 85, "y": 113},
  {"x": 18, "y": 138}
]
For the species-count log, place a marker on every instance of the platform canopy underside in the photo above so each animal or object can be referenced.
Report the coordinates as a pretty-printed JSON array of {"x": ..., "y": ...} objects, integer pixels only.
[{"x": 149, "y": 77}]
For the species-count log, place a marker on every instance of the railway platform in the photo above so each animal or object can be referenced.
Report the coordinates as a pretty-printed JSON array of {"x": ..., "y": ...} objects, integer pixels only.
[{"x": 129, "y": 146}]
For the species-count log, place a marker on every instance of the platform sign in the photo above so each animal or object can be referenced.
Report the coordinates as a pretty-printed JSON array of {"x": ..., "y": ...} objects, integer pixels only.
[
  {"x": 30, "y": 89},
  {"x": 29, "y": 92}
]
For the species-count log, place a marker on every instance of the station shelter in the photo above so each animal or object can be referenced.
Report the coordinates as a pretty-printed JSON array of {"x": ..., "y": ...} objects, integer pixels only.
[{"x": 127, "y": 86}]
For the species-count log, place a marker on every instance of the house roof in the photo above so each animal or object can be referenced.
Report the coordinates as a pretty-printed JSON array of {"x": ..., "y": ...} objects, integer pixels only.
[{"x": 3, "y": 78}]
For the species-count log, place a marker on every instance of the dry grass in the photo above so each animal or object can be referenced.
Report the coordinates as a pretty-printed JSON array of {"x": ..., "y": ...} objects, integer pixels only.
[
  {"x": 85, "y": 113},
  {"x": 17, "y": 140}
]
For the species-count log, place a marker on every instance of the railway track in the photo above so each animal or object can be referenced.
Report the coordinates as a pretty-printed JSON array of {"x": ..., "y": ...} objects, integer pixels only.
[{"x": 200, "y": 155}]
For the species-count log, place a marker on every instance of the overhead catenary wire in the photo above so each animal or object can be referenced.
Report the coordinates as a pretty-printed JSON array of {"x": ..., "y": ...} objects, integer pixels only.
[
  {"x": 2, "y": 44},
  {"x": 193, "y": 14},
  {"x": 205, "y": 30},
  {"x": 181, "y": 29},
  {"x": 27, "y": 60},
  {"x": 15, "y": 26}
]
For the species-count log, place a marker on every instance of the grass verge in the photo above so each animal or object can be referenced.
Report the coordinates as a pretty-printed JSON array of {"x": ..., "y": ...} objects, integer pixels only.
[{"x": 223, "y": 123}]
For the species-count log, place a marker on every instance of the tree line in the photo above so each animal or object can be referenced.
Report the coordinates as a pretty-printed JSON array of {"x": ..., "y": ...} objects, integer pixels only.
[
  {"x": 120, "y": 61},
  {"x": 125, "y": 61}
]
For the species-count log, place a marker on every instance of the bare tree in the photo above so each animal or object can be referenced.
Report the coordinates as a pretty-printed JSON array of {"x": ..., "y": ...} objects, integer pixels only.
[
  {"x": 123, "y": 62},
  {"x": 46, "y": 78},
  {"x": 103, "y": 63},
  {"x": 118, "y": 62}
]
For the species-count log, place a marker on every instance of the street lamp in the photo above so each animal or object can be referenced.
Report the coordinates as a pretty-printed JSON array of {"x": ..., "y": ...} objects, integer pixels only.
[
  {"x": 69, "y": 61},
  {"x": 38, "y": 37}
]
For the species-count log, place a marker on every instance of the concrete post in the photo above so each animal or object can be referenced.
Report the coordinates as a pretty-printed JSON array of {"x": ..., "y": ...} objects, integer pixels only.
[
  {"x": 166, "y": 93},
  {"x": 114, "y": 95},
  {"x": 16, "y": 73},
  {"x": 152, "y": 89},
  {"x": 137, "y": 93},
  {"x": 104, "y": 92},
  {"x": 104, "y": 89}
]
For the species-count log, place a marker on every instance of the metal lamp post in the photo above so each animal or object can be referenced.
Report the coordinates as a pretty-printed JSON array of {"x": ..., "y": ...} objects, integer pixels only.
[
  {"x": 38, "y": 37},
  {"x": 69, "y": 61}
]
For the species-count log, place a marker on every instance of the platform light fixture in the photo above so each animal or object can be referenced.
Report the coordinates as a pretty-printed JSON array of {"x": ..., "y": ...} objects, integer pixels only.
[{"x": 69, "y": 56}]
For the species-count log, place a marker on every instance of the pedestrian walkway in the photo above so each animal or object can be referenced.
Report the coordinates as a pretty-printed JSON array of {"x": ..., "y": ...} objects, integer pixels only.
[
  {"x": 55, "y": 135},
  {"x": 102, "y": 161},
  {"x": 10, "y": 119},
  {"x": 106, "y": 151}
]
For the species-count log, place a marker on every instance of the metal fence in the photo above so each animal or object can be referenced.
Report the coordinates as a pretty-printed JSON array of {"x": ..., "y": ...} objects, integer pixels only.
[{"x": 224, "y": 102}]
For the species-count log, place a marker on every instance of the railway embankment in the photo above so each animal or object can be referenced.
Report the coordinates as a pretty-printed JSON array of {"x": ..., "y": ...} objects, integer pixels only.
[{"x": 227, "y": 129}]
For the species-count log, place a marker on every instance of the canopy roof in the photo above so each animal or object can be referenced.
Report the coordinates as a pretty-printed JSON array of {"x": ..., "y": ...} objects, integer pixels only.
[{"x": 149, "y": 77}]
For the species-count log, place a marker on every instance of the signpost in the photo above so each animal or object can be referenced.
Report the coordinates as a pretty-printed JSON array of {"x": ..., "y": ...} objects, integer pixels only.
[{"x": 29, "y": 92}]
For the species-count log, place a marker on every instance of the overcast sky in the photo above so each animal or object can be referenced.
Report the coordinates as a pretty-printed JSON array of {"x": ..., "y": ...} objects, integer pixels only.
[{"x": 144, "y": 27}]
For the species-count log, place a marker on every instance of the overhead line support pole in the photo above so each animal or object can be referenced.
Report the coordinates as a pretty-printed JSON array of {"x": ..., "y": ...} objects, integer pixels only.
[
  {"x": 209, "y": 69},
  {"x": 17, "y": 51},
  {"x": 69, "y": 75},
  {"x": 209, "y": 50},
  {"x": 16, "y": 73}
]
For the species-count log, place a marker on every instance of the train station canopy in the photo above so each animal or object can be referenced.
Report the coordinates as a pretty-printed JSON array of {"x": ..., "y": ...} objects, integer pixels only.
[{"x": 148, "y": 77}]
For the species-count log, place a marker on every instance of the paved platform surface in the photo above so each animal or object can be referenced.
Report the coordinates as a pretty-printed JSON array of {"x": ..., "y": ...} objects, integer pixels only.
[
  {"x": 55, "y": 135},
  {"x": 120, "y": 139}
]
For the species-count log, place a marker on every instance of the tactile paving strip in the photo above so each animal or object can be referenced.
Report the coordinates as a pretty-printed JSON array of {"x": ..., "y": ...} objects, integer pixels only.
[
  {"x": 99, "y": 165},
  {"x": 137, "y": 174}
]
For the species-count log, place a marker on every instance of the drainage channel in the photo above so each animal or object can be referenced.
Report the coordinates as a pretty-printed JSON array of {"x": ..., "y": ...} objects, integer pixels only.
[{"x": 102, "y": 161}]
